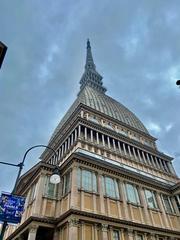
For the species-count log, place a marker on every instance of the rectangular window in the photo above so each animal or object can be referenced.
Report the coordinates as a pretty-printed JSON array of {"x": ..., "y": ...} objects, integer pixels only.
[
  {"x": 116, "y": 235},
  {"x": 151, "y": 199},
  {"x": 132, "y": 193},
  {"x": 51, "y": 190},
  {"x": 168, "y": 204},
  {"x": 66, "y": 184},
  {"x": 111, "y": 187},
  {"x": 87, "y": 180}
]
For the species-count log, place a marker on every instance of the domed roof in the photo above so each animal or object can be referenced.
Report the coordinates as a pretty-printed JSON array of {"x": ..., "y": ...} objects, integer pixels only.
[{"x": 92, "y": 94}]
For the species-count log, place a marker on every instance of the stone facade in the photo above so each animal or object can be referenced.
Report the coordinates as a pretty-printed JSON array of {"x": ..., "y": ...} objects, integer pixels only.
[{"x": 115, "y": 183}]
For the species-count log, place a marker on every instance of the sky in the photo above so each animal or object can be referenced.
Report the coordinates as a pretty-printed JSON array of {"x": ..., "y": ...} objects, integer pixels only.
[{"x": 136, "y": 48}]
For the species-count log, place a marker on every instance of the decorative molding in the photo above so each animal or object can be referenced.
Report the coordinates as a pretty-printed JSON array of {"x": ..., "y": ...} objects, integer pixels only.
[
  {"x": 73, "y": 222},
  {"x": 104, "y": 227}
]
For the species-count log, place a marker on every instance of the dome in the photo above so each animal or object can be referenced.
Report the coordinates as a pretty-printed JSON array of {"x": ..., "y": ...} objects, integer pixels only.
[{"x": 92, "y": 94}]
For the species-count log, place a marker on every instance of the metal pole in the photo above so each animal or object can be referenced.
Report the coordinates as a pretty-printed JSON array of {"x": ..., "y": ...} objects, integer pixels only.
[{"x": 20, "y": 165}]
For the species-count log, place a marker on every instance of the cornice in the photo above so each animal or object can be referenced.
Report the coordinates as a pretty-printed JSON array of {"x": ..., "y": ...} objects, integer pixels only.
[
  {"x": 113, "y": 169},
  {"x": 93, "y": 217}
]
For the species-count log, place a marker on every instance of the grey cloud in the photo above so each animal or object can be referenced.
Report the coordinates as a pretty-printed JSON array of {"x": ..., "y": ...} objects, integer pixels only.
[{"x": 135, "y": 46}]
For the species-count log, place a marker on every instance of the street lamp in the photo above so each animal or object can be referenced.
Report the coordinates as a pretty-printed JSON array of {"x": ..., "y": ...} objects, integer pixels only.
[
  {"x": 178, "y": 83},
  {"x": 55, "y": 177}
]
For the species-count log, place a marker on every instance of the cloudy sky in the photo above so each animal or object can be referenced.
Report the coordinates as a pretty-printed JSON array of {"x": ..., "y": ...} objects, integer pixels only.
[{"x": 136, "y": 47}]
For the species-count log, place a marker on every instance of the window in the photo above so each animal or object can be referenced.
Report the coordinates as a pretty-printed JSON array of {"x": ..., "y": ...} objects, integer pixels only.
[
  {"x": 51, "y": 190},
  {"x": 168, "y": 204},
  {"x": 87, "y": 180},
  {"x": 116, "y": 235},
  {"x": 177, "y": 199},
  {"x": 66, "y": 184},
  {"x": 151, "y": 199},
  {"x": 111, "y": 187},
  {"x": 132, "y": 193}
]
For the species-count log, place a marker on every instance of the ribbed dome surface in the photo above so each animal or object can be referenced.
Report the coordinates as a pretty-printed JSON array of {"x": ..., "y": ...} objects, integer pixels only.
[{"x": 104, "y": 104}]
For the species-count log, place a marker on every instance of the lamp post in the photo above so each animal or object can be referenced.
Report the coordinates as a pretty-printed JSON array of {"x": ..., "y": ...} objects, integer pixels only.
[
  {"x": 55, "y": 177},
  {"x": 178, "y": 83}
]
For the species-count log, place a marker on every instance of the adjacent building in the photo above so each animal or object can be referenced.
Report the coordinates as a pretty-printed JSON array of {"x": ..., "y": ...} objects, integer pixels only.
[{"x": 115, "y": 183}]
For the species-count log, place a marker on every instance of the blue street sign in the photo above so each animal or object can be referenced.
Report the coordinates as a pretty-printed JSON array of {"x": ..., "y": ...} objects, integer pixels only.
[{"x": 11, "y": 208}]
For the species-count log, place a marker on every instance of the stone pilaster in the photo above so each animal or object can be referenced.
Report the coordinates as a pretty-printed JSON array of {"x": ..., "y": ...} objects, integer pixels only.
[
  {"x": 130, "y": 234},
  {"x": 101, "y": 194},
  {"x": 144, "y": 203},
  {"x": 32, "y": 232},
  {"x": 38, "y": 201},
  {"x": 104, "y": 228},
  {"x": 124, "y": 201},
  {"x": 164, "y": 216},
  {"x": 74, "y": 188},
  {"x": 56, "y": 234},
  {"x": 73, "y": 228}
]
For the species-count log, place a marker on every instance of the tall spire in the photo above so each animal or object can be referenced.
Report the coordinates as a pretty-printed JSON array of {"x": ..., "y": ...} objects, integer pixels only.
[
  {"x": 89, "y": 58},
  {"x": 91, "y": 77}
]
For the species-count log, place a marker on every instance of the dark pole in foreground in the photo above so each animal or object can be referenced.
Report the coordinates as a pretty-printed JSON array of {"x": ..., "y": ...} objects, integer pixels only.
[{"x": 21, "y": 165}]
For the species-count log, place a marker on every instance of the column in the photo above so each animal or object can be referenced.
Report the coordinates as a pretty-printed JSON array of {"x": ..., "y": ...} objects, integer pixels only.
[
  {"x": 139, "y": 156},
  {"x": 153, "y": 163},
  {"x": 85, "y": 133},
  {"x": 171, "y": 168},
  {"x": 152, "y": 236},
  {"x": 91, "y": 135},
  {"x": 75, "y": 135},
  {"x": 114, "y": 145},
  {"x": 119, "y": 147},
  {"x": 97, "y": 137},
  {"x": 101, "y": 193},
  {"x": 65, "y": 146},
  {"x": 72, "y": 139},
  {"x": 95, "y": 231},
  {"x": 149, "y": 161},
  {"x": 124, "y": 149},
  {"x": 134, "y": 152},
  {"x": 36, "y": 210},
  {"x": 59, "y": 154},
  {"x": 56, "y": 234},
  {"x": 161, "y": 165},
  {"x": 103, "y": 142},
  {"x": 144, "y": 203},
  {"x": 68, "y": 141},
  {"x": 144, "y": 158},
  {"x": 124, "y": 201},
  {"x": 122, "y": 234},
  {"x": 32, "y": 232},
  {"x": 79, "y": 131},
  {"x": 157, "y": 163},
  {"x": 62, "y": 151},
  {"x": 129, "y": 150},
  {"x": 104, "y": 228},
  {"x": 109, "y": 146},
  {"x": 73, "y": 228},
  {"x": 74, "y": 188},
  {"x": 130, "y": 234},
  {"x": 160, "y": 205}
]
